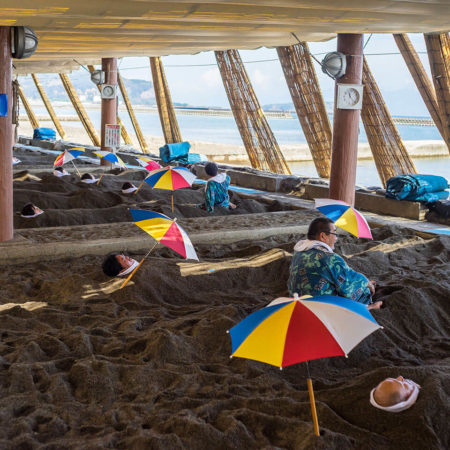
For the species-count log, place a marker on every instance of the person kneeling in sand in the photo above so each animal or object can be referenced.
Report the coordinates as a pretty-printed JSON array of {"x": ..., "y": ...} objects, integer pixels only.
[
  {"x": 216, "y": 189},
  {"x": 88, "y": 178},
  {"x": 30, "y": 210},
  {"x": 394, "y": 394},
  {"x": 118, "y": 265},
  {"x": 316, "y": 270},
  {"x": 128, "y": 188}
]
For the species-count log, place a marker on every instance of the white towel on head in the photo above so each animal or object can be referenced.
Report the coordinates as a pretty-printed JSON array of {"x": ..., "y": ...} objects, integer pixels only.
[
  {"x": 129, "y": 190},
  {"x": 34, "y": 215},
  {"x": 129, "y": 270},
  {"x": 58, "y": 174},
  {"x": 399, "y": 406},
  {"x": 89, "y": 180}
]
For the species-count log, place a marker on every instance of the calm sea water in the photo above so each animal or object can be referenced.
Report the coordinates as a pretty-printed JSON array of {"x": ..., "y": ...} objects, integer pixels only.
[{"x": 287, "y": 132}]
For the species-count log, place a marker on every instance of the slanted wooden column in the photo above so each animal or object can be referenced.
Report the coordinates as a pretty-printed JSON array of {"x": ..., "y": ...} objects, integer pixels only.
[
  {"x": 123, "y": 131},
  {"x": 389, "y": 152},
  {"x": 346, "y": 124},
  {"x": 307, "y": 97},
  {"x": 84, "y": 118},
  {"x": 6, "y": 139},
  {"x": 49, "y": 106},
  {"x": 134, "y": 121},
  {"x": 438, "y": 48},
  {"x": 167, "y": 115},
  {"x": 29, "y": 110},
  {"x": 260, "y": 143},
  {"x": 422, "y": 81}
]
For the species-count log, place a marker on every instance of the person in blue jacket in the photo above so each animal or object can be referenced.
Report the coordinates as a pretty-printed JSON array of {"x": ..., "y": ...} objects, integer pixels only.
[
  {"x": 216, "y": 189},
  {"x": 316, "y": 270}
]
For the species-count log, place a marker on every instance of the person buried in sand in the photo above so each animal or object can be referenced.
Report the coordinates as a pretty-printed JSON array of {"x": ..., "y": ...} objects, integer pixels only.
[
  {"x": 118, "y": 265},
  {"x": 88, "y": 178},
  {"x": 394, "y": 394},
  {"x": 216, "y": 189},
  {"x": 60, "y": 172},
  {"x": 316, "y": 270},
  {"x": 128, "y": 188},
  {"x": 30, "y": 210}
]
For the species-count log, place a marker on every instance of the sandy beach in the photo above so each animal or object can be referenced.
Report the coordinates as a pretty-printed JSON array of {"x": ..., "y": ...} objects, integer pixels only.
[{"x": 86, "y": 365}]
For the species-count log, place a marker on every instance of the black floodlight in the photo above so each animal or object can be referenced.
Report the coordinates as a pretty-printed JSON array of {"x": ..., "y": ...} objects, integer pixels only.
[
  {"x": 24, "y": 42},
  {"x": 334, "y": 64}
]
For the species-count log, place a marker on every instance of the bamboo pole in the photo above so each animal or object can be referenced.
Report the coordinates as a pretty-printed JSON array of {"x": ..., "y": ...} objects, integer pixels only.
[
  {"x": 31, "y": 116},
  {"x": 84, "y": 118},
  {"x": 134, "y": 121},
  {"x": 123, "y": 131},
  {"x": 49, "y": 106},
  {"x": 390, "y": 155},
  {"x": 422, "y": 81},
  {"x": 260, "y": 143},
  {"x": 312, "y": 402},
  {"x": 438, "y": 49},
  {"x": 166, "y": 111},
  {"x": 309, "y": 104}
]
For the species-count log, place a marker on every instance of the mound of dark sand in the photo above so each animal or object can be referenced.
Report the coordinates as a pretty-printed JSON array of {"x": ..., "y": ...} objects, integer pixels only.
[{"x": 86, "y": 365}]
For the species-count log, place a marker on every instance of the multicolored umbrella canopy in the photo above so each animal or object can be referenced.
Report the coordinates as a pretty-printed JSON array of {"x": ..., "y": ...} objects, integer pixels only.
[
  {"x": 111, "y": 157},
  {"x": 165, "y": 230},
  {"x": 170, "y": 178},
  {"x": 148, "y": 163},
  {"x": 292, "y": 330},
  {"x": 344, "y": 216},
  {"x": 67, "y": 156}
]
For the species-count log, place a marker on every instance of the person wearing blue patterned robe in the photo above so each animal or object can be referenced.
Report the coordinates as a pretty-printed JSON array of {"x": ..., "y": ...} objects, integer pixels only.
[
  {"x": 216, "y": 189},
  {"x": 316, "y": 270}
]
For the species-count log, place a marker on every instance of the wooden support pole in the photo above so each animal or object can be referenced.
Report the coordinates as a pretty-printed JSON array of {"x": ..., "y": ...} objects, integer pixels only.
[
  {"x": 346, "y": 124},
  {"x": 6, "y": 138},
  {"x": 309, "y": 104},
  {"x": 123, "y": 131},
  {"x": 49, "y": 106},
  {"x": 134, "y": 121},
  {"x": 259, "y": 141},
  {"x": 29, "y": 110},
  {"x": 422, "y": 81},
  {"x": 389, "y": 152},
  {"x": 438, "y": 49},
  {"x": 109, "y": 106},
  {"x": 84, "y": 118},
  {"x": 169, "y": 123}
]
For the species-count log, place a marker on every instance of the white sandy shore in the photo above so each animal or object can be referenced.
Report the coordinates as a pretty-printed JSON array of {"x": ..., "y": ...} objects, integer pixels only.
[{"x": 228, "y": 153}]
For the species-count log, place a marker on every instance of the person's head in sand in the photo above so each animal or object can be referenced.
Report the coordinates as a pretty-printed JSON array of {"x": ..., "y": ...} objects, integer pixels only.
[
  {"x": 394, "y": 394},
  {"x": 30, "y": 210},
  {"x": 88, "y": 178},
  {"x": 324, "y": 230},
  {"x": 128, "y": 188},
  {"x": 15, "y": 160},
  {"x": 118, "y": 264},
  {"x": 211, "y": 169},
  {"x": 60, "y": 172}
]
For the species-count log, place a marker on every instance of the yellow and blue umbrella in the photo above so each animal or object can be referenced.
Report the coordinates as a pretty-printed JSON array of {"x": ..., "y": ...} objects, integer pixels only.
[
  {"x": 344, "y": 216},
  {"x": 293, "y": 330},
  {"x": 111, "y": 158}
]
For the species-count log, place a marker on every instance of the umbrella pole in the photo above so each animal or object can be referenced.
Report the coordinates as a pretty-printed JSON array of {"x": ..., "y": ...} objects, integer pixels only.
[
  {"x": 312, "y": 402},
  {"x": 100, "y": 179},
  {"x": 137, "y": 267},
  {"x": 76, "y": 168},
  {"x": 137, "y": 190},
  {"x": 172, "y": 201}
]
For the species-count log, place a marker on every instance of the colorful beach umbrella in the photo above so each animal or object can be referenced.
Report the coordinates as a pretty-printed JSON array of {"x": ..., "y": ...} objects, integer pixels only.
[
  {"x": 68, "y": 156},
  {"x": 111, "y": 158},
  {"x": 148, "y": 163},
  {"x": 170, "y": 178},
  {"x": 344, "y": 216},
  {"x": 165, "y": 231},
  {"x": 293, "y": 330}
]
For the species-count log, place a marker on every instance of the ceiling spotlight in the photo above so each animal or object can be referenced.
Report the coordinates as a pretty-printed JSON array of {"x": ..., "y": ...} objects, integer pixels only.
[
  {"x": 24, "y": 42},
  {"x": 98, "y": 77},
  {"x": 334, "y": 64}
]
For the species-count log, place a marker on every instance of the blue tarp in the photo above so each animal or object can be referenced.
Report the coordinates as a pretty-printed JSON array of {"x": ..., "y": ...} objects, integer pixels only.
[
  {"x": 44, "y": 133},
  {"x": 173, "y": 152},
  {"x": 419, "y": 188}
]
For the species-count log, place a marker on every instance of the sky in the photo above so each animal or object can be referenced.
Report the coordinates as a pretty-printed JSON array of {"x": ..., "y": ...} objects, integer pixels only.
[{"x": 195, "y": 79}]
